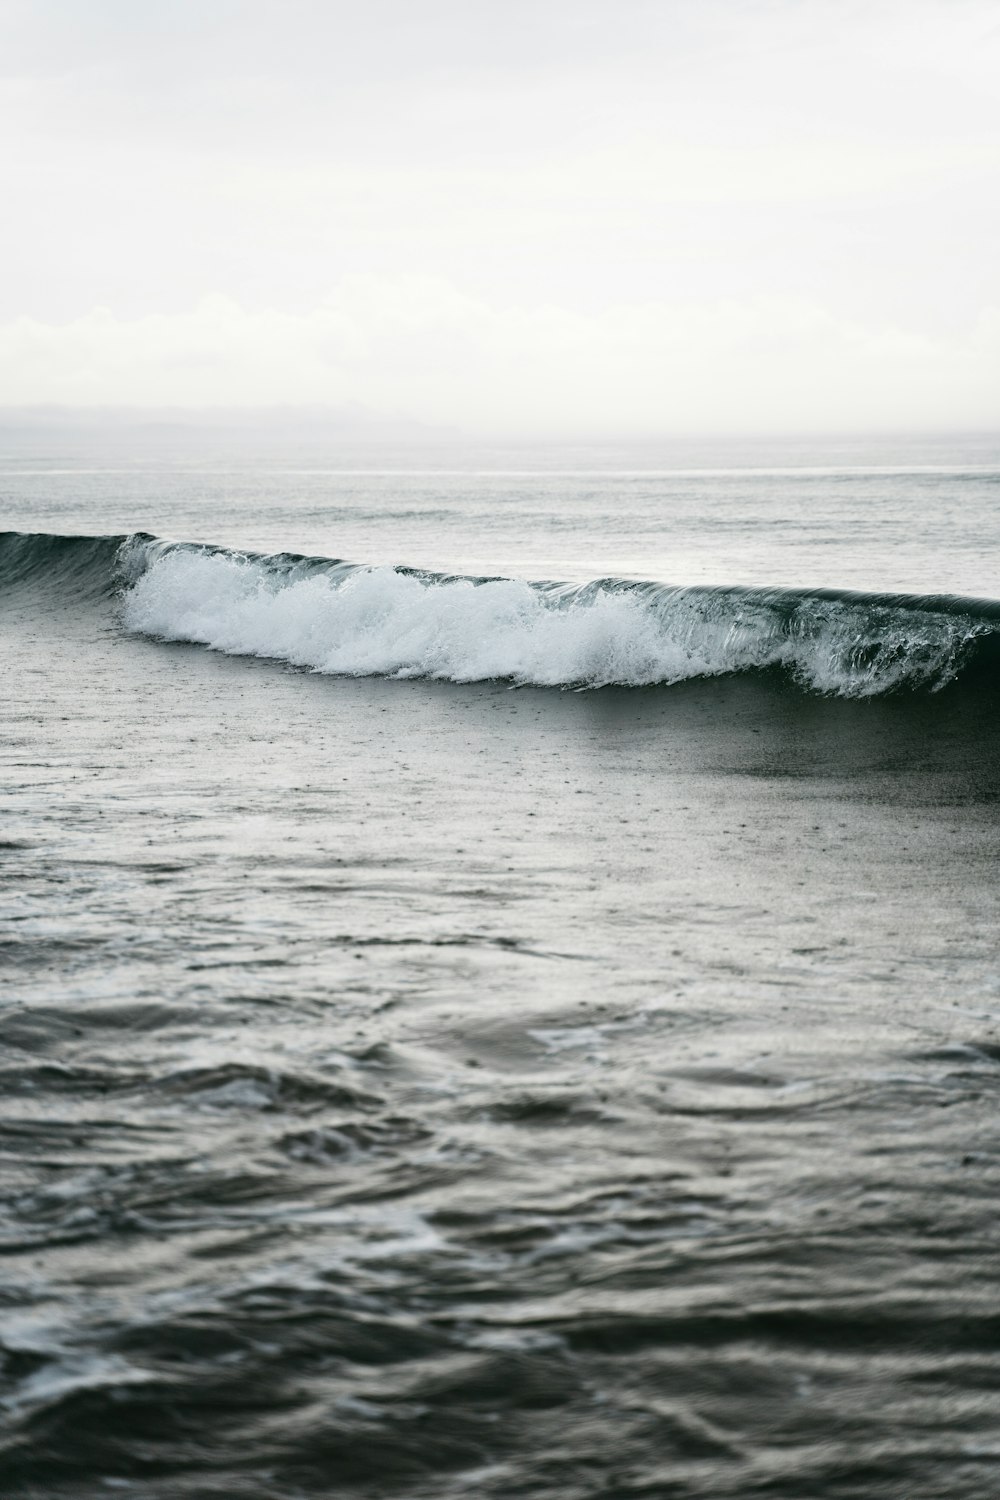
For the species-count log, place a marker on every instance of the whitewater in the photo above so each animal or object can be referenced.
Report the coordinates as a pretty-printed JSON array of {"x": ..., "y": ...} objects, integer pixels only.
[{"x": 337, "y": 618}]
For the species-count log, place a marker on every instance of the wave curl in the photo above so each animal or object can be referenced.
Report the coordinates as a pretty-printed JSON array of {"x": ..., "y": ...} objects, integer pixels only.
[{"x": 345, "y": 619}]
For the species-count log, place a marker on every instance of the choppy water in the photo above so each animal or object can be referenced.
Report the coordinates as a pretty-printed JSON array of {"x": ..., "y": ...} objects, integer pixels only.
[{"x": 421, "y": 1088}]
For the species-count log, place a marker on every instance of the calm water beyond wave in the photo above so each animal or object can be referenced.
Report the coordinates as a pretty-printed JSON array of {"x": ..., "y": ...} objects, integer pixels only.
[{"x": 500, "y": 981}]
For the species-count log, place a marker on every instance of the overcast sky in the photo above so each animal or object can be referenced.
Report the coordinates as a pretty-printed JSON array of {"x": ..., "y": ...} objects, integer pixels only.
[{"x": 562, "y": 216}]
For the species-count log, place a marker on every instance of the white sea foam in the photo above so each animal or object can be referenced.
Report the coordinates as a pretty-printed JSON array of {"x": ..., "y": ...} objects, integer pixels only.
[{"x": 383, "y": 622}]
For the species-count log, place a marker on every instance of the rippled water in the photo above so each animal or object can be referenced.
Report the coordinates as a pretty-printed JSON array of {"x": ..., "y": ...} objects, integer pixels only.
[{"x": 421, "y": 1089}]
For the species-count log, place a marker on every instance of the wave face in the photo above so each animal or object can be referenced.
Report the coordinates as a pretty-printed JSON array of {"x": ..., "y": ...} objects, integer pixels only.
[
  {"x": 81, "y": 566},
  {"x": 339, "y": 618}
]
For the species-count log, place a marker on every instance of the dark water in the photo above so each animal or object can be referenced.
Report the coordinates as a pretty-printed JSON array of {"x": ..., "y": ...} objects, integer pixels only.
[{"x": 423, "y": 1089}]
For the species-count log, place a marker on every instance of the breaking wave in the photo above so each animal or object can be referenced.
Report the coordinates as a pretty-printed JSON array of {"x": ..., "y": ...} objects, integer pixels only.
[{"x": 340, "y": 618}]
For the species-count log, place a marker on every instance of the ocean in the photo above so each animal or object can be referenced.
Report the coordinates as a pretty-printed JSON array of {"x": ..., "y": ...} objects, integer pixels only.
[{"x": 501, "y": 986}]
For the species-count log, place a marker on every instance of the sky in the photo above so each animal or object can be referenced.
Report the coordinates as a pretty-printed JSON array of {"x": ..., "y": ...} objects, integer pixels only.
[{"x": 563, "y": 217}]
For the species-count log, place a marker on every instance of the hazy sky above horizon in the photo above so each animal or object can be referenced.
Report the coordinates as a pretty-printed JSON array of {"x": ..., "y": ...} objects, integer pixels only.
[{"x": 564, "y": 216}]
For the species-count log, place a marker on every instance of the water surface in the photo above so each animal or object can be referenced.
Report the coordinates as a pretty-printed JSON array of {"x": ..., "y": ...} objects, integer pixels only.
[{"x": 425, "y": 1088}]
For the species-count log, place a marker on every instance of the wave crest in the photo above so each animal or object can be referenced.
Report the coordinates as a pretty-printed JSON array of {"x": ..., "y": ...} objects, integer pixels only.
[{"x": 336, "y": 618}]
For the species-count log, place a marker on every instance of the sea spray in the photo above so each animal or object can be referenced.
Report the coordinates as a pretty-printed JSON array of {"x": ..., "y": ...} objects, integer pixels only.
[{"x": 335, "y": 618}]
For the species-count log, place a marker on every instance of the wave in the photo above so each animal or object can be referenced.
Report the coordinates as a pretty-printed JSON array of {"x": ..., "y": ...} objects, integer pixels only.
[{"x": 347, "y": 619}]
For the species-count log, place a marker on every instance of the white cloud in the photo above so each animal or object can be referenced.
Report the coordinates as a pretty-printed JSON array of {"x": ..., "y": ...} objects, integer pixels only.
[
  {"x": 419, "y": 348},
  {"x": 622, "y": 215}
]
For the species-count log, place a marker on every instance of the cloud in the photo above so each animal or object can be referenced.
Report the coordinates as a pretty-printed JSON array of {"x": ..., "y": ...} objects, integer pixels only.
[
  {"x": 554, "y": 213},
  {"x": 419, "y": 347}
]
